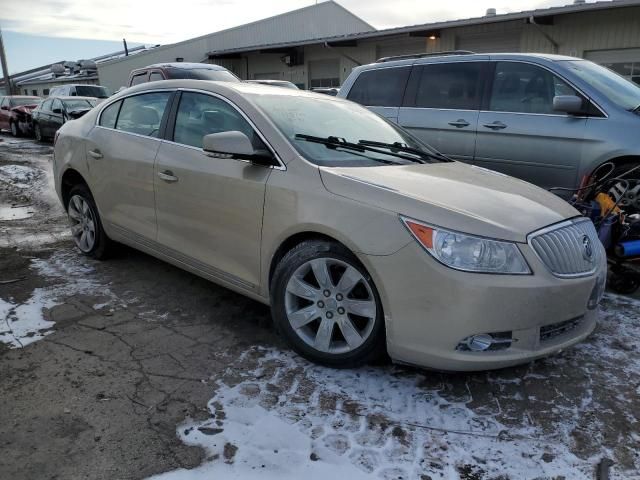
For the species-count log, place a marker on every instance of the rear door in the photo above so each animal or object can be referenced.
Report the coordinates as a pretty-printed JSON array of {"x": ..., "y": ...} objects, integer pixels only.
[
  {"x": 521, "y": 135},
  {"x": 55, "y": 118},
  {"x": 381, "y": 90},
  {"x": 121, "y": 151},
  {"x": 209, "y": 209},
  {"x": 442, "y": 105}
]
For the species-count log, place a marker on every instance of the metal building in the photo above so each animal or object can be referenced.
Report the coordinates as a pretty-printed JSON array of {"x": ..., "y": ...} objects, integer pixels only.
[{"x": 325, "y": 19}]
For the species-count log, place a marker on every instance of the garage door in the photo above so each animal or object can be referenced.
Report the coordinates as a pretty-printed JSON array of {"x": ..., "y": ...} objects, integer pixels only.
[
  {"x": 625, "y": 62},
  {"x": 324, "y": 73},
  {"x": 490, "y": 42}
]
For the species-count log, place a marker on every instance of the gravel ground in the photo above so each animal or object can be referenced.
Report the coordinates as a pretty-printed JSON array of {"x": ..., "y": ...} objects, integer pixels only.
[{"x": 132, "y": 368}]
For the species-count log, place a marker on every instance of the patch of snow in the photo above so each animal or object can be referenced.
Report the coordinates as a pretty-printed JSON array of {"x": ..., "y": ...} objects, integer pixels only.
[
  {"x": 24, "y": 323},
  {"x": 286, "y": 418},
  {"x": 19, "y": 175},
  {"x": 15, "y": 213}
]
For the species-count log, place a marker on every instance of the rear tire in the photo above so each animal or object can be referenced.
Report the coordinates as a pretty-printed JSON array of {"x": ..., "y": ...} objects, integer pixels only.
[
  {"x": 86, "y": 226},
  {"x": 325, "y": 304},
  {"x": 15, "y": 130}
]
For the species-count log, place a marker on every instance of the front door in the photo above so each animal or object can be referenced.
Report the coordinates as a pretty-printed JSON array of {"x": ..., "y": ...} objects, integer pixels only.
[
  {"x": 209, "y": 209},
  {"x": 521, "y": 135},
  {"x": 442, "y": 105},
  {"x": 121, "y": 152}
]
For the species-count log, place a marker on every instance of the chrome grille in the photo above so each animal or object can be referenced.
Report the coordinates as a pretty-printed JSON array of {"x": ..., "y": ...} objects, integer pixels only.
[
  {"x": 549, "y": 332},
  {"x": 564, "y": 248}
]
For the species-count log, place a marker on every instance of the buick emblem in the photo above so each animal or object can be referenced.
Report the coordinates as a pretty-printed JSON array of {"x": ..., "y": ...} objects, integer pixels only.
[{"x": 587, "y": 248}]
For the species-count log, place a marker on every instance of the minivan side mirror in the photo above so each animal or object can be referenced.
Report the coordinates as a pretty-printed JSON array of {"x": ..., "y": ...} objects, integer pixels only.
[
  {"x": 235, "y": 144},
  {"x": 571, "y": 104}
]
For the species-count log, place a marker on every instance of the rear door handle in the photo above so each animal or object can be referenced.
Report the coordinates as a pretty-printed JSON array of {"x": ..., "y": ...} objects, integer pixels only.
[
  {"x": 495, "y": 125},
  {"x": 97, "y": 154},
  {"x": 167, "y": 176},
  {"x": 460, "y": 123}
]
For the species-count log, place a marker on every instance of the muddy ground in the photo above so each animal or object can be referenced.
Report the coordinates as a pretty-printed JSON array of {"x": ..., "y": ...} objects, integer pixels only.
[{"x": 129, "y": 368}]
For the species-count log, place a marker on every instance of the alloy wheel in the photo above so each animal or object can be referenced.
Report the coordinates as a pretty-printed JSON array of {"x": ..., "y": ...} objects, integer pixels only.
[
  {"x": 83, "y": 224},
  {"x": 330, "y": 305}
]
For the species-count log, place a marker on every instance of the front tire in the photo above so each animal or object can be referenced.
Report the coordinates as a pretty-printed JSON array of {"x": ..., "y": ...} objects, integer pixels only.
[
  {"x": 86, "y": 227},
  {"x": 326, "y": 305}
]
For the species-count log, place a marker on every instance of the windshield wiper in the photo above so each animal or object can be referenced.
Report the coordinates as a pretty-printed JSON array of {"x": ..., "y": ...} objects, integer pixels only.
[
  {"x": 337, "y": 142},
  {"x": 402, "y": 147}
]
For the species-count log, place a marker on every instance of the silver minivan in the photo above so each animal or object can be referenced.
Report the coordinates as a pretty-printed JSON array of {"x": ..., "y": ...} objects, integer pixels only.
[{"x": 547, "y": 119}]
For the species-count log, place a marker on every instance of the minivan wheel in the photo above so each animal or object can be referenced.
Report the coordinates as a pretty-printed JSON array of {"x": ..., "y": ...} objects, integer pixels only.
[
  {"x": 86, "y": 227},
  {"x": 326, "y": 305},
  {"x": 37, "y": 133},
  {"x": 15, "y": 131}
]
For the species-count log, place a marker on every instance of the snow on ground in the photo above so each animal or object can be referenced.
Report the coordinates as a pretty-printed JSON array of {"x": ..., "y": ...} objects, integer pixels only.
[
  {"x": 290, "y": 419},
  {"x": 24, "y": 323},
  {"x": 20, "y": 176}
]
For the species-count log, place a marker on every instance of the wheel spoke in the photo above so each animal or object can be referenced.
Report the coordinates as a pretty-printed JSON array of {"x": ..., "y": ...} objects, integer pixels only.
[
  {"x": 321, "y": 272},
  {"x": 302, "y": 289},
  {"x": 350, "y": 278},
  {"x": 85, "y": 208},
  {"x": 349, "y": 332},
  {"x": 77, "y": 203},
  {"x": 323, "y": 336},
  {"x": 91, "y": 225},
  {"x": 304, "y": 316},
  {"x": 84, "y": 244},
  {"x": 362, "y": 308},
  {"x": 76, "y": 229}
]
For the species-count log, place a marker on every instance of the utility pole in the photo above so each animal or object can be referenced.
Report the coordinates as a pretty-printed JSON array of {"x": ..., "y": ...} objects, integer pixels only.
[{"x": 5, "y": 70}]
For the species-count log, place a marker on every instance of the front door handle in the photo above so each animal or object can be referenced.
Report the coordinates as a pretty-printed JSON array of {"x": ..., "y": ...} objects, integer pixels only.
[
  {"x": 97, "y": 154},
  {"x": 495, "y": 125},
  {"x": 460, "y": 123},
  {"x": 167, "y": 176}
]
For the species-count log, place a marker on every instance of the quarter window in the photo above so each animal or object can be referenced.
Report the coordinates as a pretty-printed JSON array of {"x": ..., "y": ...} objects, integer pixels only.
[
  {"x": 452, "y": 85},
  {"x": 110, "y": 115},
  {"x": 155, "y": 76},
  {"x": 140, "y": 78},
  {"x": 380, "y": 88},
  {"x": 524, "y": 88},
  {"x": 199, "y": 115},
  {"x": 142, "y": 114}
]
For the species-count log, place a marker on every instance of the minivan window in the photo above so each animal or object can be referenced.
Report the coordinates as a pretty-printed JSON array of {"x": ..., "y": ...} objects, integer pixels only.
[
  {"x": 381, "y": 87},
  {"x": 619, "y": 90},
  {"x": 451, "y": 85},
  {"x": 524, "y": 88},
  {"x": 199, "y": 115},
  {"x": 142, "y": 114},
  {"x": 92, "y": 91},
  {"x": 109, "y": 115},
  {"x": 138, "y": 79},
  {"x": 201, "y": 74},
  {"x": 155, "y": 76}
]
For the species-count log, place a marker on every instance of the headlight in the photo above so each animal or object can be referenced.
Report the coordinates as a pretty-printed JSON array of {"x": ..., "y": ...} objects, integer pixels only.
[{"x": 467, "y": 252}]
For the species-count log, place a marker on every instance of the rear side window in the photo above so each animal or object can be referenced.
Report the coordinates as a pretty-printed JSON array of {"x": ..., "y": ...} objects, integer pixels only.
[
  {"x": 450, "y": 85},
  {"x": 142, "y": 114},
  {"x": 155, "y": 76},
  {"x": 380, "y": 88},
  {"x": 109, "y": 115},
  {"x": 138, "y": 79},
  {"x": 46, "y": 106}
]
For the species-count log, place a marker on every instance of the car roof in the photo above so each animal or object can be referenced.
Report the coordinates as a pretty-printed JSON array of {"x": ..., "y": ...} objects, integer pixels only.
[
  {"x": 19, "y": 96},
  {"x": 78, "y": 85},
  {"x": 185, "y": 66},
  {"x": 74, "y": 97}
]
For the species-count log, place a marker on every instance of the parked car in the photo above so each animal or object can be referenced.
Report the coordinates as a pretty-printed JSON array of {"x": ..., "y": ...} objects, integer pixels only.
[
  {"x": 178, "y": 70},
  {"x": 333, "y": 91},
  {"x": 54, "y": 112},
  {"x": 95, "y": 91},
  {"x": 547, "y": 119},
  {"x": 275, "y": 83},
  {"x": 357, "y": 234},
  {"x": 15, "y": 113}
]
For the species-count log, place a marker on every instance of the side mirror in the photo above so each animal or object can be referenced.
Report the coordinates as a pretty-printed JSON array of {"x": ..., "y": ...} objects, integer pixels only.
[
  {"x": 571, "y": 104},
  {"x": 237, "y": 145}
]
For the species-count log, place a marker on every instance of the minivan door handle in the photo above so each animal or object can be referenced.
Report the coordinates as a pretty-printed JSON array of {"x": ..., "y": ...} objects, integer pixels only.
[
  {"x": 168, "y": 176},
  {"x": 460, "y": 123},
  {"x": 497, "y": 125},
  {"x": 97, "y": 154}
]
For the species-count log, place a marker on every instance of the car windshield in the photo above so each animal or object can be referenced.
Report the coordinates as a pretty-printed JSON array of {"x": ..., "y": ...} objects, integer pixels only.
[
  {"x": 619, "y": 90},
  {"x": 78, "y": 104},
  {"x": 298, "y": 116},
  {"x": 18, "y": 102},
  {"x": 92, "y": 91},
  {"x": 202, "y": 74}
]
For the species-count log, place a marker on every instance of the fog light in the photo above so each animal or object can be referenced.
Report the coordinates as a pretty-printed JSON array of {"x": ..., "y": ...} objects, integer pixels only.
[{"x": 486, "y": 341}]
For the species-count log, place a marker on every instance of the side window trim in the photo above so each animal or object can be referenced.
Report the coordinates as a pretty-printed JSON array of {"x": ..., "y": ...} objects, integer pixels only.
[{"x": 170, "y": 127}]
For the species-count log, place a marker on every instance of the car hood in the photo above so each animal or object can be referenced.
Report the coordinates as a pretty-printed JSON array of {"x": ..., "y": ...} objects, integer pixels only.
[
  {"x": 452, "y": 195},
  {"x": 24, "y": 108}
]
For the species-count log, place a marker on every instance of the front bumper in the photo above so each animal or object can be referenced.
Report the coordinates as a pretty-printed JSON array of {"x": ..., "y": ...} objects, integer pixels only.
[{"x": 430, "y": 308}]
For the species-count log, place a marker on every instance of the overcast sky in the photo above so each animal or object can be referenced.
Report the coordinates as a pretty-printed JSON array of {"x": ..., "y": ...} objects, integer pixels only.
[{"x": 163, "y": 21}]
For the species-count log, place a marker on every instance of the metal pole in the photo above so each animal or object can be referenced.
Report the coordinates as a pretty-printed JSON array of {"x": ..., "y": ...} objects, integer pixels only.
[{"x": 5, "y": 70}]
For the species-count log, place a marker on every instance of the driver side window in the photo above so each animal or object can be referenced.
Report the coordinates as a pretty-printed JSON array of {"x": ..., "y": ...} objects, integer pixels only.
[
  {"x": 200, "y": 114},
  {"x": 524, "y": 88}
]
